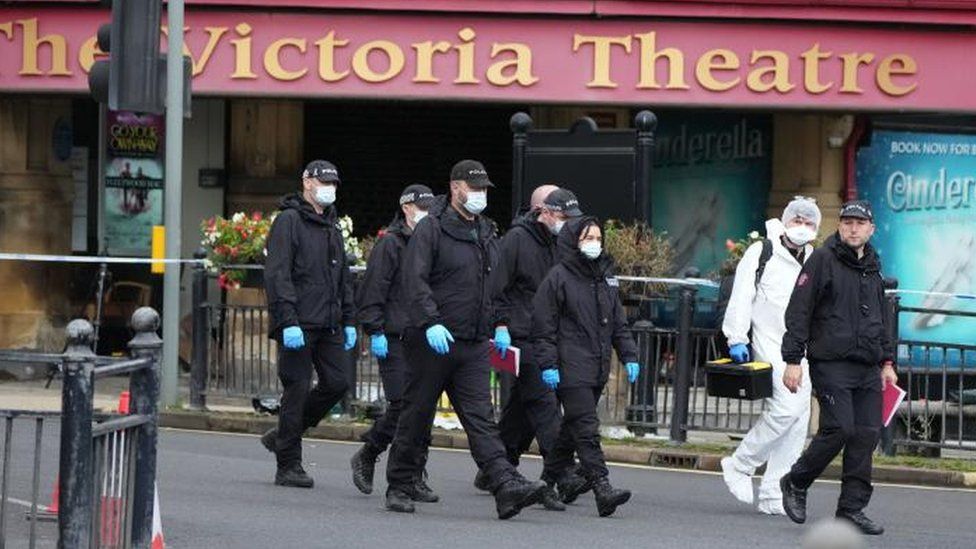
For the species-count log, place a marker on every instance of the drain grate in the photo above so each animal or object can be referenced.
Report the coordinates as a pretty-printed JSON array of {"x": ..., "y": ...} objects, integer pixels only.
[{"x": 682, "y": 461}]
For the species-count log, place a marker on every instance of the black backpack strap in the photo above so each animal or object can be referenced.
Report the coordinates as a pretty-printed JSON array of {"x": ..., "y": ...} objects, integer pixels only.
[{"x": 767, "y": 252}]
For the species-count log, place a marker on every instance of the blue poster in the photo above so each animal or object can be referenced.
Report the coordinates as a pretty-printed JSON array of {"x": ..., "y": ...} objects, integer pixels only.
[
  {"x": 711, "y": 183},
  {"x": 923, "y": 190}
]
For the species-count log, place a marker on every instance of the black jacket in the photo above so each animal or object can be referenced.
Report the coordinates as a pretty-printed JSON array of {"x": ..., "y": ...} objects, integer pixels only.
[
  {"x": 381, "y": 299},
  {"x": 836, "y": 312},
  {"x": 577, "y": 315},
  {"x": 446, "y": 268},
  {"x": 528, "y": 251},
  {"x": 306, "y": 274}
]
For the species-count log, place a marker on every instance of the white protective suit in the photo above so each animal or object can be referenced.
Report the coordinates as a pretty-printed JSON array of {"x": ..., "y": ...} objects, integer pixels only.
[{"x": 779, "y": 434}]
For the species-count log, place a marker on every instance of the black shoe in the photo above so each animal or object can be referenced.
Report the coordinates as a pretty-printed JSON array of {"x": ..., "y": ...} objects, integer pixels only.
[
  {"x": 608, "y": 498},
  {"x": 481, "y": 481},
  {"x": 421, "y": 491},
  {"x": 867, "y": 526},
  {"x": 550, "y": 500},
  {"x": 363, "y": 467},
  {"x": 571, "y": 487},
  {"x": 515, "y": 495},
  {"x": 398, "y": 501},
  {"x": 269, "y": 439},
  {"x": 794, "y": 500},
  {"x": 293, "y": 476}
]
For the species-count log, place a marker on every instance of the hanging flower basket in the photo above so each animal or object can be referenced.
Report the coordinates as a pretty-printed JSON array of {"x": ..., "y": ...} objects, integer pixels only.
[{"x": 239, "y": 240}]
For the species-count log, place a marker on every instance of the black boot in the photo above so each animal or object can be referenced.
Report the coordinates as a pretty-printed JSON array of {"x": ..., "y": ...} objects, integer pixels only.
[
  {"x": 515, "y": 495},
  {"x": 608, "y": 498},
  {"x": 550, "y": 500},
  {"x": 481, "y": 481},
  {"x": 571, "y": 487},
  {"x": 269, "y": 439},
  {"x": 421, "y": 491},
  {"x": 794, "y": 500},
  {"x": 363, "y": 467},
  {"x": 398, "y": 501},
  {"x": 293, "y": 476},
  {"x": 864, "y": 524}
]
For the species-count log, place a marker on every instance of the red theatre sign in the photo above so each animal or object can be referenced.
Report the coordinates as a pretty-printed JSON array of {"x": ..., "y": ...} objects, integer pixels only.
[{"x": 639, "y": 62}]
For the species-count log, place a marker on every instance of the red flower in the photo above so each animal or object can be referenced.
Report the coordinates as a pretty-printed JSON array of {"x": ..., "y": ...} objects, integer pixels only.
[
  {"x": 380, "y": 233},
  {"x": 256, "y": 216},
  {"x": 729, "y": 245}
]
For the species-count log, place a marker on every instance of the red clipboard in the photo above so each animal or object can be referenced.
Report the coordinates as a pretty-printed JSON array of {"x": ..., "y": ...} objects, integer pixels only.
[
  {"x": 509, "y": 364},
  {"x": 891, "y": 397}
]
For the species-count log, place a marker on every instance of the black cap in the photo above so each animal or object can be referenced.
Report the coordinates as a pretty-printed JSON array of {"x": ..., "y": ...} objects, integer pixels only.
[
  {"x": 472, "y": 172},
  {"x": 857, "y": 208},
  {"x": 421, "y": 195},
  {"x": 323, "y": 170},
  {"x": 564, "y": 201}
]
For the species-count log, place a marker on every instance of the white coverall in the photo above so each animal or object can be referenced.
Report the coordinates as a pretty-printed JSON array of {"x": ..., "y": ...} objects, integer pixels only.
[{"x": 778, "y": 436}]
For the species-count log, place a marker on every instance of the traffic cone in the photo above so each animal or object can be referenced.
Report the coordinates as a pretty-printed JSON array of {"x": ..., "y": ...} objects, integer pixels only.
[
  {"x": 111, "y": 503},
  {"x": 157, "y": 525},
  {"x": 124, "y": 402}
]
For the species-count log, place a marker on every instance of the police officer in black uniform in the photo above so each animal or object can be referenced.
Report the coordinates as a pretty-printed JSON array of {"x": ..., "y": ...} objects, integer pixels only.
[
  {"x": 446, "y": 268},
  {"x": 836, "y": 317},
  {"x": 528, "y": 251},
  {"x": 310, "y": 300},
  {"x": 383, "y": 315}
]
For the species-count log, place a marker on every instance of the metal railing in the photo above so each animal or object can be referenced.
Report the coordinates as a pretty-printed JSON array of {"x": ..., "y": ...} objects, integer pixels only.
[{"x": 106, "y": 463}]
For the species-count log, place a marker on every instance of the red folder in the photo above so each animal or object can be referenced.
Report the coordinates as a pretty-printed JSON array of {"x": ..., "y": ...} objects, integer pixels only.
[
  {"x": 508, "y": 364},
  {"x": 891, "y": 397}
]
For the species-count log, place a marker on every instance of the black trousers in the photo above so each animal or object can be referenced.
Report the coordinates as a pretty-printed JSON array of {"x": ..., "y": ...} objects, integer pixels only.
[
  {"x": 394, "y": 372},
  {"x": 849, "y": 394},
  {"x": 463, "y": 373},
  {"x": 301, "y": 407},
  {"x": 579, "y": 431},
  {"x": 531, "y": 411}
]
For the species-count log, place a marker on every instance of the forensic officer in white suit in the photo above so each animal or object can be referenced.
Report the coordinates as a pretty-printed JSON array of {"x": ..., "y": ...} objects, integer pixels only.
[{"x": 754, "y": 326}]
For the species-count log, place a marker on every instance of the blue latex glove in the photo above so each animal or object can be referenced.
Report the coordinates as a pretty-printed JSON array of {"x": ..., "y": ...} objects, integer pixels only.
[
  {"x": 503, "y": 340},
  {"x": 633, "y": 370},
  {"x": 378, "y": 345},
  {"x": 293, "y": 337},
  {"x": 550, "y": 377},
  {"x": 739, "y": 353},
  {"x": 350, "y": 337},
  {"x": 438, "y": 338}
]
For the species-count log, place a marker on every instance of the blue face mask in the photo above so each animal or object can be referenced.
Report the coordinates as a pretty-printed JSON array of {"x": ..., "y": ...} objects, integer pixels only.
[
  {"x": 325, "y": 195},
  {"x": 558, "y": 226},
  {"x": 591, "y": 250},
  {"x": 476, "y": 201}
]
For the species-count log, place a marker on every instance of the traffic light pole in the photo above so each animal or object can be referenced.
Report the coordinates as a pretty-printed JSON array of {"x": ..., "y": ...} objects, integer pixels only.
[{"x": 173, "y": 201}]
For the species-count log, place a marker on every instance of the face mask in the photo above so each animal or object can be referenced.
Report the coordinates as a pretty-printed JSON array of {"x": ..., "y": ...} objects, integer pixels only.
[
  {"x": 476, "y": 202},
  {"x": 418, "y": 216},
  {"x": 557, "y": 227},
  {"x": 591, "y": 249},
  {"x": 801, "y": 235},
  {"x": 325, "y": 195}
]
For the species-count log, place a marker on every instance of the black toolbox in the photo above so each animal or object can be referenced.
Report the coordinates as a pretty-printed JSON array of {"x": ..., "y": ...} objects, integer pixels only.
[{"x": 747, "y": 381}]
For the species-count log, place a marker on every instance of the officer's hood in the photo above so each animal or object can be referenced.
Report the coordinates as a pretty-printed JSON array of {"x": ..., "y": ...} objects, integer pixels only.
[
  {"x": 869, "y": 263},
  {"x": 529, "y": 222},
  {"x": 567, "y": 246},
  {"x": 296, "y": 201}
]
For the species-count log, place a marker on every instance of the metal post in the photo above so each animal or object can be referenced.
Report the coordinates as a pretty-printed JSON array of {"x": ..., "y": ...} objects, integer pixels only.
[
  {"x": 100, "y": 296},
  {"x": 646, "y": 123},
  {"x": 683, "y": 366},
  {"x": 173, "y": 199},
  {"x": 520, "y": 123},
  {"x": 892, "y": 307},
  {"x": 201, "y": 333},
  {"x": 77, "y": 461},
  {"x": 144, "y": 391}
]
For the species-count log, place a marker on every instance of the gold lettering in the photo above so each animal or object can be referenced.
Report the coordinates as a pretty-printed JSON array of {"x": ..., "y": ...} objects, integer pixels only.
[
  {"x": 522, "y": 65},
  {"x": 906, "y": 66},
  {"x": 648, "y": 64},
  {"x": 8, "y": 29},
  {"x": 199, "y": 64},
  {"x": 33, "y": 42},
  {"x": 716, "y": 60},
  {"x": 851, "y": 63},
  {"x": 360, "y": 61},
  {"x": 272, "y": 59},
  {"x": 811, "y": 69},
  {"x": 242, "y": 53},
  {"x": 327, "y": 47},
  {"x": 425, "y": 60},
  {"x": 88, "y": 52},
  {"x": 465, "y": 72},
  {"x": 780, "y": 71},
  {"x": 601, "y": 56}
]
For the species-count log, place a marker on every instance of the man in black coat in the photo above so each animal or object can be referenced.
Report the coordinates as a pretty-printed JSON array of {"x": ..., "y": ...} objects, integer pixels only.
[
  {"x": 836, "y": 316},
  {"x": 310, "y": 300},
  {"x": 528, "y": 251},
  {"x": 446, "y": 268},
  {"x": 383, "y": 315}
]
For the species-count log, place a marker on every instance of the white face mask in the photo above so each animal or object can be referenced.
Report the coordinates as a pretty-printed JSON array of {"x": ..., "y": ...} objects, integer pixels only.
[
  {"x": 325, "y": 195},
  {"x": 801, "y": 235},
  {"x": 557, "y": 227},
  {"x": 418, "y": 215},
  {"x": 591, "y": 249},
  {"x": 476, "y": 202}
]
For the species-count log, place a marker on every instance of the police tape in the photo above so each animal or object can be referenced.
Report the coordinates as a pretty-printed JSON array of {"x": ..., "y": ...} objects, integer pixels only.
[
  {"x": 672, "y": 281},
  {"x": 93, "y": 259},
  {"x": 932, "y": 294}
]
